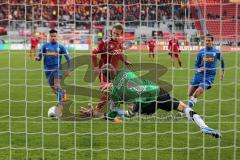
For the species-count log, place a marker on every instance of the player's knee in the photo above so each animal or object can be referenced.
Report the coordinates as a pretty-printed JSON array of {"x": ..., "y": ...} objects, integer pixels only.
[
  {"x": 199, "y": 91},
  {"x": 56, "y": 86}
]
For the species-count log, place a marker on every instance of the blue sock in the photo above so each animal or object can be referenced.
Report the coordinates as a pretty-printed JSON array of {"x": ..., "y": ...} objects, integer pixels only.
[
  {"x": 192, "y": 101},
  {"x": 60, "y": 94}
]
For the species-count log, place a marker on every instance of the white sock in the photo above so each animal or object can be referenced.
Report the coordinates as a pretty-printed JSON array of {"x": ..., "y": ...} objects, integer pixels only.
[
  {"x": 191, "y": 115},
  {"x": 199, "y": 121},
  {"x": 193, "y": 99}
]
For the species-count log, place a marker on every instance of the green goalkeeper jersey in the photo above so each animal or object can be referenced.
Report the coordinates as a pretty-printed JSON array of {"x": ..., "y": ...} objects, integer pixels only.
[{"x": 129, "y": 88}]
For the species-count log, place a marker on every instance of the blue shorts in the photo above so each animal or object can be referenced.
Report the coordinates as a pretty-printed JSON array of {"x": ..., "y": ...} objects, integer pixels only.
[
  {"x": 53, "y": 74},
  {"x": 203, "y": 82}
]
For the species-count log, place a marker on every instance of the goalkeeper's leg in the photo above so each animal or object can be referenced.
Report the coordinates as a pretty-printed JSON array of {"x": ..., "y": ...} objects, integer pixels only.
[{"x": 166, "y": 102}]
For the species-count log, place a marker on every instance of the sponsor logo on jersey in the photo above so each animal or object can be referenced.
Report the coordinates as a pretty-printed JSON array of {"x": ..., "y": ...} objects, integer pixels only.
[
  {"x": 208, "y": 59},
  {"x": 52, "y": 53}
]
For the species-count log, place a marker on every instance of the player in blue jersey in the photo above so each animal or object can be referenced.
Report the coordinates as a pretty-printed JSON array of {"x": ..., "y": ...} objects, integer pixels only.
[
  {"x": 52, "y": 53},
  {"x": 206, "y": 66}
]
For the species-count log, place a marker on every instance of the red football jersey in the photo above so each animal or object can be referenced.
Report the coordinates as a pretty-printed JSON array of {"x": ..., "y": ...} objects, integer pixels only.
[
  {"x": 34, "y": 41},
  {"x": 111, "y": 52},
  {"x": 151, "y": 43},
  {"x": 173, "y": 45}
]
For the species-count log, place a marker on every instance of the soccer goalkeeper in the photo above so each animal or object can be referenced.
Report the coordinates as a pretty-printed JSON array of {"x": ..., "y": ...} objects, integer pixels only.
[{"x": 143, "y": 97}]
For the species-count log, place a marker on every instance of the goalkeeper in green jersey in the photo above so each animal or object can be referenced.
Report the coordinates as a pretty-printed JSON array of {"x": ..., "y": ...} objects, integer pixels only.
[{"x": 142, "y": 96}]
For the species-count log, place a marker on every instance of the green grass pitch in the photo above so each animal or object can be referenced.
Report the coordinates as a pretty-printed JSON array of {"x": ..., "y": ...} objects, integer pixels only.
[{"x": 27, "y": 134}]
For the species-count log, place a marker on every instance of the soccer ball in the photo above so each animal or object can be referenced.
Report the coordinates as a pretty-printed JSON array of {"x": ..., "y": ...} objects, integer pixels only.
[{"x": 54, "y": 112}]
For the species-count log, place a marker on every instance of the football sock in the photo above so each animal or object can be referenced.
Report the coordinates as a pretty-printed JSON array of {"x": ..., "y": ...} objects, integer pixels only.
[
  {"x": 191, "y": 115},
  {"x": 60, "y": 94},
  {"x": 192, "y": 101}
]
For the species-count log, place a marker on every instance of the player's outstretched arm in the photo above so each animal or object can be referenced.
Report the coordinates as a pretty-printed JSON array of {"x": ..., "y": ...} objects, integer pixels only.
[{"x": 99, "y": 49}]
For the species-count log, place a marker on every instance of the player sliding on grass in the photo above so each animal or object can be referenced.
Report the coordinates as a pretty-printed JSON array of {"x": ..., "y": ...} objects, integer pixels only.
[
  {"x": 52, "y": 53},
  {"x": 143, "y": 97},
  {"x": 206, "y": 66}
]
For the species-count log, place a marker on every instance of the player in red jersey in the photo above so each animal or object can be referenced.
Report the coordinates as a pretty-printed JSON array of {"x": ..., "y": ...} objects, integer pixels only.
[
  {"x": 151, "y": 46},
  {"x": 173, "y": 48},
  {"x": 111, "y": 51},
  {"x": 34, "y": 45}
]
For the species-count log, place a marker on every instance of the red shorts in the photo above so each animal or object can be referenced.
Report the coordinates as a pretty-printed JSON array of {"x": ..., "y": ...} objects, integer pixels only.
[
  {"x": 151, "y": 49},
  {"x": 176, "y": 55},
  {"x": 33, "y": 47}
]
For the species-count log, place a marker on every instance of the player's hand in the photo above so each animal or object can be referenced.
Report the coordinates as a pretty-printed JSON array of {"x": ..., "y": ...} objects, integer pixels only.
[
  {"x": 106, "y": 87},
  {"x": 86, "y": 113},
  {"x": 68, "y": 73},
  {"x": 97, "y": 70},
  {"x": 36, "y": 59},
  {"x": 200, "y": 69}
]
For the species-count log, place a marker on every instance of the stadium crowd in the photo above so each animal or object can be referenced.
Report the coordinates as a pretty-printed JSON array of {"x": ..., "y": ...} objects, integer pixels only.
[{"x": 83, "y": 12}]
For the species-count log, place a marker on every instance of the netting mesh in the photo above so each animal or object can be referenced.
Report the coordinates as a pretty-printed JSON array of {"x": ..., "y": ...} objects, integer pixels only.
[{"x": 25, "y": 97}]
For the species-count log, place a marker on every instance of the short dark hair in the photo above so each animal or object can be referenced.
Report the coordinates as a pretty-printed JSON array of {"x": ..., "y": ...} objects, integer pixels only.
[
  {"x": 210, "y": 36},
  {"x": 118, "y": 26},
  {"x": 53, "y": 31}
]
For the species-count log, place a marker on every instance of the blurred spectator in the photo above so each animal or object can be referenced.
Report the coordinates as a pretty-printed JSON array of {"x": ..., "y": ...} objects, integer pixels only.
[{"x": 84, "y": 13}]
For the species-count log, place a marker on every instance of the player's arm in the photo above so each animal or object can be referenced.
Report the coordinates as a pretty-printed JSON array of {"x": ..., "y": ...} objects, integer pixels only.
[
  {"x": 198, "y": 62},
  {"x": 178, "y": 47},
  {"x": 68, "y": 58},
  {"x": 220, "y": 58},
  {"x": 40, "y": 54},
  {"x": 170, "y": 47},
  {"x": 95, "y": 52}
]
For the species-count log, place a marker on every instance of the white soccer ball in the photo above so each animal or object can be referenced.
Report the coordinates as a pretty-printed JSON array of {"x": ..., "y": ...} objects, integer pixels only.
[{"x": 54, "y": 112}]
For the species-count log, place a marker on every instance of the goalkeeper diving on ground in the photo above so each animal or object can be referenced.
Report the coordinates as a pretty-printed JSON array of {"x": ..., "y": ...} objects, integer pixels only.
[{"x": 142, "y": 96}]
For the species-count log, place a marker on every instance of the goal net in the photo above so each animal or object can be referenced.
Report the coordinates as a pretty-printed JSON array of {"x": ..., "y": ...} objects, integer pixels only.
[{"x": 26, "y": 131}]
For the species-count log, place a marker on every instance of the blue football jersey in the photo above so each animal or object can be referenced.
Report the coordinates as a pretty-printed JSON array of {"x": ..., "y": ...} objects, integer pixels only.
[
  {"x": 207, "y": 59},
  {"x": 52, "y": 53}
]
